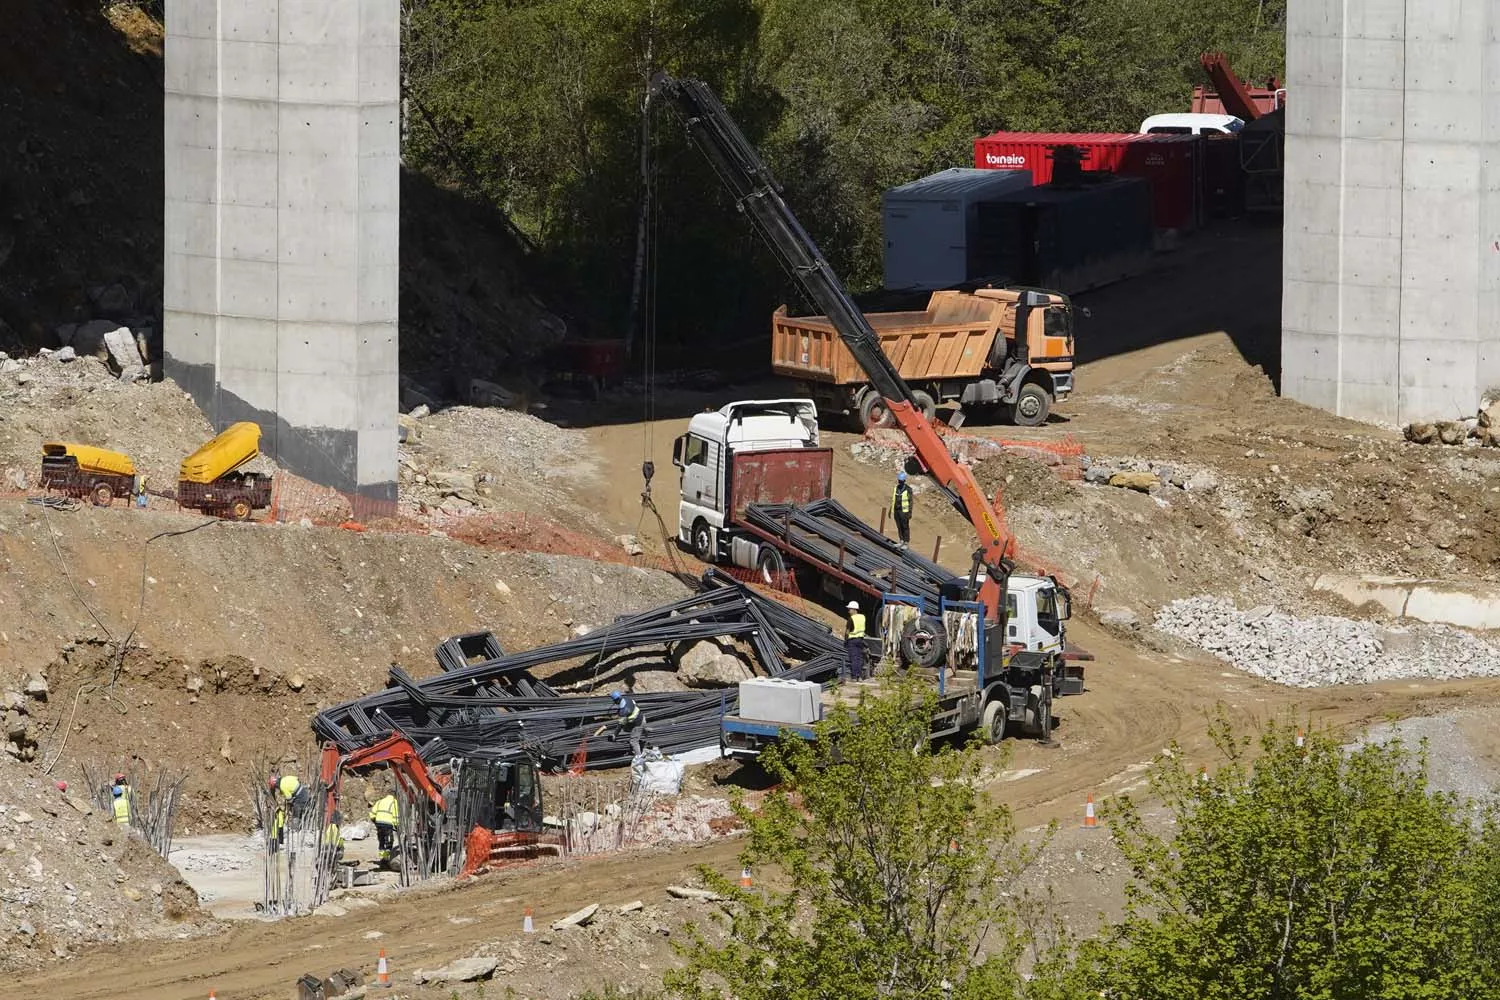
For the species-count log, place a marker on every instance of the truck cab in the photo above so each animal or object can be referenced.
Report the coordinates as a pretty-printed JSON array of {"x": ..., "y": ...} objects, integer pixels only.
[
  {"x": 751, "y": 451},
  {"x": 1034, "y": 612}
]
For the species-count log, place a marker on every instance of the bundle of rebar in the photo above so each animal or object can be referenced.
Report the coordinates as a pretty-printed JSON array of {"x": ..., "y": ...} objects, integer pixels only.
[
  {"x": 150, "y": 793},
  {"x": 300, "y": 856},
  {"x": 486, "y": 702},
  {"x": 827, "y": 532}
]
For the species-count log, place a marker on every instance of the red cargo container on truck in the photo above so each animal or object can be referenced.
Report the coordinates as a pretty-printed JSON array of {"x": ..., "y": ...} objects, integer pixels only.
[{"x": 1171, "y": 163}]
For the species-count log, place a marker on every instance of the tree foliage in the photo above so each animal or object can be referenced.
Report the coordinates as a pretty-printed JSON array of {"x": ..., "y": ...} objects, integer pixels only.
[
  {"x": 1302, "y": 871},
  {"x": 535, "y": 106},
  {"x": 894, "y": 862}
]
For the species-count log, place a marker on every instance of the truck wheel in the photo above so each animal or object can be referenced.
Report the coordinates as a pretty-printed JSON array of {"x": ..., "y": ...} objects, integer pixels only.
[
  {"x": 925, "y": 403},
  {"x": 873, "y": 412},
  {"x": 771, "y": 567},
  {"x": 240, "y": 509},
  {"x": 102, "y": 495},
  {"x": 924, "y": 642},
  {"x": 703, "y": 542},
  {"x": 1031, "y": 406},
  {"x": 992, "y": 724}
]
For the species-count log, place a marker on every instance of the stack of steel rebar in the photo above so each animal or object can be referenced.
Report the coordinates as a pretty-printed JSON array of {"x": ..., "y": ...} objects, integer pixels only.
[
  {"x": 487, "y": 702},
  {"x": 827, "y": 532}
]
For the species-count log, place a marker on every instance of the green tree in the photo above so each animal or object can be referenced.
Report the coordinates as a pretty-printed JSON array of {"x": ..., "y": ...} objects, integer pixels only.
[
  {"x": 895, "y": 864},
  {"x": 1302, "y": 871}
]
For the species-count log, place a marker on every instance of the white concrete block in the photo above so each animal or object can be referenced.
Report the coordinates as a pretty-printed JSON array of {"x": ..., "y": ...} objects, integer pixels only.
[
  {"x": 248, "y": 20},
  {"x": 380, "y": 131},
  {"x": 250, "y": 125},
  {"x": 190, "y": 120},
  {"x": 194, "y": 229},
  {"x": 319, "y": 239},
  {"x": 380, "y": 22},
  {"x": 247, "y": 344},
  {"x": 248, "y": 178},
  {"x": 1373, "y": 113},
  {"x": 318, "y": 294},
  {"x": 378, "y": 236},
  {"x": 1372, "y": 162},
  {"x": 313, "y": 399},
  {"x": 190, "y": 65},
  {"x": 191, "y": 175},
  {"x": 247, "y": 288},
  {"x": 378, "y": 343},
  {"x": 1371, "y": 260},
  {"x": 190, "y": 283},
  {"x": 1376, "y": 19},
  {"x": 1444, "y": 116},
  {"x": 249, "y": 70},
  {"x": 1372, "y": 403},
  {"x": 1371, "y": 311},
  {"x": 379, "y": 294},
  {"x": 1374, "y": 64},
  {"x": 248, "y": 233},
  {"x": 1368, "y": 360},
  {"x": 320, "y": 22},
  {"x": 320, "y": 74}
]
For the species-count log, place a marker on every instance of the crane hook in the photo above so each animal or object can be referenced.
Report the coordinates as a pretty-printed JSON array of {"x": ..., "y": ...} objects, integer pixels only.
[{"x": 648, "y": 469}]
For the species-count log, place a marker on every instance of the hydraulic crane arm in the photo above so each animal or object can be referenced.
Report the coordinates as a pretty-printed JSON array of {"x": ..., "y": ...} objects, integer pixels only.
[
  {"x": 757, "y": 194},
  {"x": 394, "y": 751}
]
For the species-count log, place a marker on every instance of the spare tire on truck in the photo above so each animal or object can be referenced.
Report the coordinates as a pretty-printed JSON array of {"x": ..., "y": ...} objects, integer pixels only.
[{"x": 924, "y": 642}]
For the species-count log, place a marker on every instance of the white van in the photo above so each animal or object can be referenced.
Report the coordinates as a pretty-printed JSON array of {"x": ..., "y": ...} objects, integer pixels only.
[{"x": 1191, "y": 123}]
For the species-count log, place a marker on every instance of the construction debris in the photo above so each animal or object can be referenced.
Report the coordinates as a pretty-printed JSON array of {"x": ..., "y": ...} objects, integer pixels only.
[
  {"x": 686, "y": 892},
  {"x": 579, "y": 918},
  {"x": 465, "y": 970},
  {"x": 1324, "y": 649}
]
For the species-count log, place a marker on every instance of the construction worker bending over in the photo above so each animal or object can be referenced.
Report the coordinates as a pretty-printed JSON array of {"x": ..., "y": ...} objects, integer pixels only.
[
  {"x": 630, "y": 720},
  {"x": 854, "y": 642},
  {"x": 385, "y": 813},
  {"x": 901, "y": 509}
]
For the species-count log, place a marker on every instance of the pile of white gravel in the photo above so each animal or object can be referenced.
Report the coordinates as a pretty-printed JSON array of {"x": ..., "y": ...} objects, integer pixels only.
[{"x": 1324, "y": 649}]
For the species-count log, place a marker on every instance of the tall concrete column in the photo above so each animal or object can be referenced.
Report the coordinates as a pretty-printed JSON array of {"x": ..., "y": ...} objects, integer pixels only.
[
  {"x": 282, "y": 195},
  {"x": 1391, "y": 264}
]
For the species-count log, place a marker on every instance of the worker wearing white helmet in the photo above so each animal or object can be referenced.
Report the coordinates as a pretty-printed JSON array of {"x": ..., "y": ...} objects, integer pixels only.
[{"x": 854, "y": 642}]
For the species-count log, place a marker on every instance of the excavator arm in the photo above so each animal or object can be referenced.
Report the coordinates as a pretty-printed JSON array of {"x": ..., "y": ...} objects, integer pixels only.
[
  {"x": 758, "y": 195},
  {"x": 395, "y": 752}
]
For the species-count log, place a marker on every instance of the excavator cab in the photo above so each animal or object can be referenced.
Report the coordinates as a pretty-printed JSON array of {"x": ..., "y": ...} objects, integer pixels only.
[{"x": 503, "y": 796}]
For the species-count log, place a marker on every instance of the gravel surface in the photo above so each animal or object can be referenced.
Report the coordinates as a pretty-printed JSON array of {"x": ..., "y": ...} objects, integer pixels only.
[
  {"x": 1324, "y": 649},
  {"x": 1454, "y": 764}
]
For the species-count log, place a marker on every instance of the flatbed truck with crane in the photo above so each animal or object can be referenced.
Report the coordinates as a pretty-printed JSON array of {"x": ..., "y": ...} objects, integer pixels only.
[{"x": 991, "y": 681}]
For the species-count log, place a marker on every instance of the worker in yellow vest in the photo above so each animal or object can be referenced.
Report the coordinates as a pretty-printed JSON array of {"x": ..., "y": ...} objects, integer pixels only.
[
  {"x": 333, "y": 839},
  {"x": 385, "y": 813},
  {"x": 854, "y": 642},
  {"x": 121, "y": 802},
  {"x": 901, "y": 509}
]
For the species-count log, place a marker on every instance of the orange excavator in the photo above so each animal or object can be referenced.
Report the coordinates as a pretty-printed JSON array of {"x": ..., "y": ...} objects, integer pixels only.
[{"x": 481, "y": 811}]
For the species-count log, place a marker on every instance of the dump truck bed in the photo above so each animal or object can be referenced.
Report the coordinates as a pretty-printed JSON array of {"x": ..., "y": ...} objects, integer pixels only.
[
  {"x": 232, "y": 448},
  {"x": 952, "y": 338},
  {"x": 90, "y": 458}
]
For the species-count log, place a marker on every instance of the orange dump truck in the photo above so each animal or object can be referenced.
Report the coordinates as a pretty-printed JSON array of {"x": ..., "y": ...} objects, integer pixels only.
[
  {"x": 1001, "y": 350},
  {"x": 210, "y": 479}
]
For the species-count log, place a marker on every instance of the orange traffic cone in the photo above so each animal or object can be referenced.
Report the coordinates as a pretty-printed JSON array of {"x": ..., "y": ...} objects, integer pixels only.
[
  {"x": 526, "y": 925},
  {"x": 1301, "y": 740},
  {"x": 211, "y": 995},
  {"x": 1090, "y": 821},
  {"x": 382, "y": 972},
  {"x": 1203, "y": 774},
  {"x": 745, "y": 881}
]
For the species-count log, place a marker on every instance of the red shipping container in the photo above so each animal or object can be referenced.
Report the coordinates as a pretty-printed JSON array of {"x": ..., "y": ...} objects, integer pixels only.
[{"x": 1171, "y": 163}]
